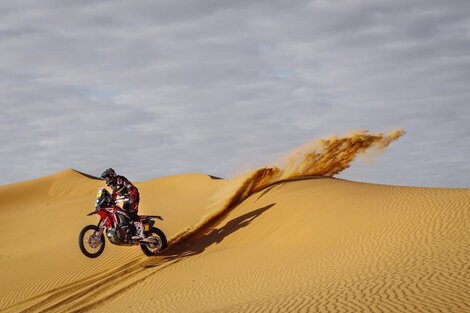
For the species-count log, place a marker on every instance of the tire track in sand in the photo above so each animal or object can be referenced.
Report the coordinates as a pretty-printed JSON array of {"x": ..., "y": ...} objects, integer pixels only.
[{"x": 80, "y": 296}]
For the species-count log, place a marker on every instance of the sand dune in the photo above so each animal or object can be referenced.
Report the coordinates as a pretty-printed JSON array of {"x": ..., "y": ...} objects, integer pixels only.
[
  {"x": 40, "y": 220},
  {"x": 303, "y": 245}
]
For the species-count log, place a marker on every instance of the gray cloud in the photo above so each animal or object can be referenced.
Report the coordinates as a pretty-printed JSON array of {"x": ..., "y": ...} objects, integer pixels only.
[{"x": 163, "y": 87}]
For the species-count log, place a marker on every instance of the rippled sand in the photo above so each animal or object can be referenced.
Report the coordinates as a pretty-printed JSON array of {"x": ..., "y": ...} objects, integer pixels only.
[{"x": 305, "y": 245}]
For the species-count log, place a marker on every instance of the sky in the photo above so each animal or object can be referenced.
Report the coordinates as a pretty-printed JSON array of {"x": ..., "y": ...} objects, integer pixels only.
[{"x": 157, "y": 88}]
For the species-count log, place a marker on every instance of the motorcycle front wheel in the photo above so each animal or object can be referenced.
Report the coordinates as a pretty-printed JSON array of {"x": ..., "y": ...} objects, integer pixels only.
[
  {"x": 89, "y": 243},
  {"x": 158, "y": 244}
]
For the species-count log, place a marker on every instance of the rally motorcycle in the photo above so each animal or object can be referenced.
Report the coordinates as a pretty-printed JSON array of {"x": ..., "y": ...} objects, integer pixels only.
[{"x": 117, "y": 226}]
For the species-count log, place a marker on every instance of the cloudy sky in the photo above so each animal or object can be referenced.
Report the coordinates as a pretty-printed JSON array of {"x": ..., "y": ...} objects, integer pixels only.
[{"x": 155, "y": 88}]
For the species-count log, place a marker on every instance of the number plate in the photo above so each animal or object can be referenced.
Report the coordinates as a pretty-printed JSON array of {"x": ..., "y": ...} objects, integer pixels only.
[{"x": 146, "y": 227}]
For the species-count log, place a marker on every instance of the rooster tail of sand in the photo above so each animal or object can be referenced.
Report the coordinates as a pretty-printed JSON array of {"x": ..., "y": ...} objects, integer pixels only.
[{"x": 324, "y": 157}]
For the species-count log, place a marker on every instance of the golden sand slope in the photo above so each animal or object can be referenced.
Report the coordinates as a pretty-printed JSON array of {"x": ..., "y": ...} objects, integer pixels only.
[
  {"x": 323, "y": 157},
  {"x": 40, "y": 221},
  {"x": 304, "y": 245}
]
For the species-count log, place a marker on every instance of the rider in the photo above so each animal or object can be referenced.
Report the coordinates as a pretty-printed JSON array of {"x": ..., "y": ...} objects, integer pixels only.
[{"x": 123, "y": 188}]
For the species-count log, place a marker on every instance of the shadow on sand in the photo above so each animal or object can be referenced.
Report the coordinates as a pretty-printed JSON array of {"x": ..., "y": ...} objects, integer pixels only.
[{"x": 199, "y": 244}]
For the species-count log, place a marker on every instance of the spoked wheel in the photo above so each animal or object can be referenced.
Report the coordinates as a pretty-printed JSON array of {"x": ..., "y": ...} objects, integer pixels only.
[
  {"x": 90, "y": 243},
  {"x": 156, "y": 242}
]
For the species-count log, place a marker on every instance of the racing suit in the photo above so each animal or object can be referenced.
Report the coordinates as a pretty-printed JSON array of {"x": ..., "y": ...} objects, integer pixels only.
[{"x": 122, "y": 187}]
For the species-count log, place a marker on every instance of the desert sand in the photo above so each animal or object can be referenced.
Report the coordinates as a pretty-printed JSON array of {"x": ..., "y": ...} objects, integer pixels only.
[
  {"x": 300, "y": 245},
  {"x": 283, "y": 238}
]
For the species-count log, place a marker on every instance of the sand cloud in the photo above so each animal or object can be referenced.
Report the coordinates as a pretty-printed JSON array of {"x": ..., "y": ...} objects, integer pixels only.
[{"x": 323, "y": 157}]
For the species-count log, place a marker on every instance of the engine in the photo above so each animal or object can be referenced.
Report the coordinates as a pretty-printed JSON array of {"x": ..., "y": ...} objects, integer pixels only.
[{"x": 121, "y": 234}]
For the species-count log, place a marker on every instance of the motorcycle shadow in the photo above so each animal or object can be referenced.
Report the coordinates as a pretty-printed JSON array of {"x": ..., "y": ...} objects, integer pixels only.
[{"x": 198, "y": 244}]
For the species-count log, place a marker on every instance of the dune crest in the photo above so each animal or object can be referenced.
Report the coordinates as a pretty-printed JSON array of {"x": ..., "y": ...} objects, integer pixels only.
[{"x": 324, "y": 157}]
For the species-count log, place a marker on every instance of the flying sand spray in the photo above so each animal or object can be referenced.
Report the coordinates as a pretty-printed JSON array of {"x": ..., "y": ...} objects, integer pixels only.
[{"x": 324, "y": 157}]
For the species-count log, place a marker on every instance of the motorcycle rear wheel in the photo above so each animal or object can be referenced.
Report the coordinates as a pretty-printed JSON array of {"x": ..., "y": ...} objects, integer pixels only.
[
  {"x": 160, "y": 245},
  {"x": 91, "y": 246}
]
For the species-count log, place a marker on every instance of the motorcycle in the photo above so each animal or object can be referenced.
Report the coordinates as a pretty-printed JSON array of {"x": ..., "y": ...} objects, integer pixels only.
[{"x": 117, "y": 226}]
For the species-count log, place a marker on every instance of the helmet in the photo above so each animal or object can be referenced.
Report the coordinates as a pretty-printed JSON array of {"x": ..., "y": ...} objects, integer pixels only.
[
  {"x": 103, "y": 197},
  {"x": 108, "y": 174}
]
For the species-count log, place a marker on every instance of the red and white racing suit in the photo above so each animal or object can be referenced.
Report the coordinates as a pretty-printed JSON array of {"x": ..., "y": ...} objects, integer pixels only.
[{"x": 122, "y": 187}]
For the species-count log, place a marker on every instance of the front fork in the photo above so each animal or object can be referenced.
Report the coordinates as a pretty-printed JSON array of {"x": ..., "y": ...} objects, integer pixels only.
[{"x": 102, "y": 225}]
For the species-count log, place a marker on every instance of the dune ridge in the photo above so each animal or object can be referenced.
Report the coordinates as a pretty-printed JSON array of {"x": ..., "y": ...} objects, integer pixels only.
[{"x": 319, "y": 158}]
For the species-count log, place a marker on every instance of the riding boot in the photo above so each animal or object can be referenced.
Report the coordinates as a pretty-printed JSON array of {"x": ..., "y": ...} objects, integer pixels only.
[{"x": 139, "y": 231}]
